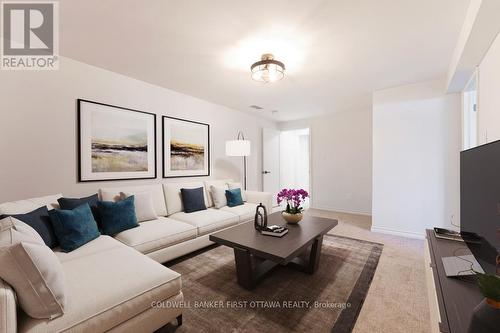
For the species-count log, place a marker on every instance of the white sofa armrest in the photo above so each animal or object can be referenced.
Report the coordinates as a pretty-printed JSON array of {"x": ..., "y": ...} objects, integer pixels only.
[
  {"x": 8, "y": 309},
  {"x": 256, "y": 197}
]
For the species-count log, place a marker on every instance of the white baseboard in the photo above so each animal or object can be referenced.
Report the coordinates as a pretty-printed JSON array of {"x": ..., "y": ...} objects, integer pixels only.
[
  {"x": 340, "y": 210},
  {"x": 407, "y": 234}
]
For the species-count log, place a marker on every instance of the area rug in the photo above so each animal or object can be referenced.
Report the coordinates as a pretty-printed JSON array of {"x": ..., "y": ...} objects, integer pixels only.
[{"x": 285, "y": 300}]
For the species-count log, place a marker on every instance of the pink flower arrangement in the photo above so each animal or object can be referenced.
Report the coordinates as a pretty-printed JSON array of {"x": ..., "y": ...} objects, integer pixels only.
[{"x": 293, "y": 199}]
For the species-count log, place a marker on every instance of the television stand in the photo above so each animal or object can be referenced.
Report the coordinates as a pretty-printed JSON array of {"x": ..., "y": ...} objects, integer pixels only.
[{"x": 451, "y": 299}]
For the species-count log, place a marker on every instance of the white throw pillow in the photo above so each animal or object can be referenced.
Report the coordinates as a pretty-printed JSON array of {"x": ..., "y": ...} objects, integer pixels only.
[
  {"x": 32, "y": 270},
  {"x": 14, "y": 231},
  {"x": 232, "y": 186},
  {"x": 218, "y": 196},
  {"x": 144, "y": 207}
]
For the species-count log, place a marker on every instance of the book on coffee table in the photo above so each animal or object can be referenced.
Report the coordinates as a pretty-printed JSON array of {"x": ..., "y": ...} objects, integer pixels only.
[{"x": 275, "y": 230}]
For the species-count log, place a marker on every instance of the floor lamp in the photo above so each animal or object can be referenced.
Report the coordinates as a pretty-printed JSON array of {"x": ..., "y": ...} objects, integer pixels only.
[{"x": 241, "y": 148}]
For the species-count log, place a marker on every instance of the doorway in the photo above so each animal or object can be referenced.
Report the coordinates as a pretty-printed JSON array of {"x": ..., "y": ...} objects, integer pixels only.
[
  {"x": 271, "y": 161},
  {"x": 286, "y": 161},
  {"x": 294, "y": 160},
  {"x": 470, "y": 114}
]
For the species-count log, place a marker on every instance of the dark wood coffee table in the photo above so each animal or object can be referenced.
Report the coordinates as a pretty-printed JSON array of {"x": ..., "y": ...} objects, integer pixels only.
[{"x": 256, "y": 254}]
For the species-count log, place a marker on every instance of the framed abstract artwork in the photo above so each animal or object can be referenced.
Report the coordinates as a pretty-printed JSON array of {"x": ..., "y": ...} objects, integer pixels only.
[
  {"x": 115, "y": 143},
  {"x": 186, "y": 148}
]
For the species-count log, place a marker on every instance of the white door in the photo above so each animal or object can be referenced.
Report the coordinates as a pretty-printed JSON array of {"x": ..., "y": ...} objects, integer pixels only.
[{"x": 271, "y": 161}]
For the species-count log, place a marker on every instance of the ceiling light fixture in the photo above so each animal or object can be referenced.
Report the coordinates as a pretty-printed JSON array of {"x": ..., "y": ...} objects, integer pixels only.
[{"x": 267, "y": 69}]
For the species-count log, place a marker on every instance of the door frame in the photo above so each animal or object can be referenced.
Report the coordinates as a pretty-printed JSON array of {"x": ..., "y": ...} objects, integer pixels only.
[
  {"x": 310, "y": 168},
  {"x": 262, "y": 158},
  {"x": 466, "y": 144}
]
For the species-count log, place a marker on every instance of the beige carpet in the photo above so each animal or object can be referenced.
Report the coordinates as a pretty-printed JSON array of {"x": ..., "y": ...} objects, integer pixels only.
[
  {"x": 285, "y": 300},
  {"x": 397, "y": 299}
]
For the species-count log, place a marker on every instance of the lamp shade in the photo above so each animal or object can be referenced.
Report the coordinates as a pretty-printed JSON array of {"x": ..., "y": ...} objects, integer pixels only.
[{"x": 238, "y": 148}]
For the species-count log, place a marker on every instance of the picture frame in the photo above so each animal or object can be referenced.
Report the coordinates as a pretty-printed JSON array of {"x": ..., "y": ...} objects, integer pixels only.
[
  {"x": 115, "y": 143},
  {"x": 185, "y": 148}
]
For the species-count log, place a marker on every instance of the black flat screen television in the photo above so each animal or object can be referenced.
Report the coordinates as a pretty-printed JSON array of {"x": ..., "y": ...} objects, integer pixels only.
[{"x": 480, "y": 203}]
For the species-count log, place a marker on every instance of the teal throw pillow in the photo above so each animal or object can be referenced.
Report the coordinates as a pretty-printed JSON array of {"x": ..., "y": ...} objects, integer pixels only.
[
  {"x": 234, "y": 197},
  {"x": 117, "y": 216},
  {"x": 74, "y": 228}
]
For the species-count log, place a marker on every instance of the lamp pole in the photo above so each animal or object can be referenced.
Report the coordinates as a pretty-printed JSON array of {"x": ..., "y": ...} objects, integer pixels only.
[
  {"x": 239, "y": 148},
  {"x": 242, "y": 137}
]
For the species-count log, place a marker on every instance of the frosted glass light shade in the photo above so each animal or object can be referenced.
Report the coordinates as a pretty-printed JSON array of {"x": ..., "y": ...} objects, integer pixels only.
[
  {"x": 238, "y": 148},
  {"x": 268, "y": 73},
  {"x": 267, "y": 69}
]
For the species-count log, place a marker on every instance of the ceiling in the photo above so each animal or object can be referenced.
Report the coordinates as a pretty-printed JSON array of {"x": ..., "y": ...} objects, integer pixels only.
[{"x": 336, "y": 52}]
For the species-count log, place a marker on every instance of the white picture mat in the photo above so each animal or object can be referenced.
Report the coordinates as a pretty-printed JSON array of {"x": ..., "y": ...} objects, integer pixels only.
[
  {"x": 86, "y": 111},
  {"x": 167, "y": 134}
]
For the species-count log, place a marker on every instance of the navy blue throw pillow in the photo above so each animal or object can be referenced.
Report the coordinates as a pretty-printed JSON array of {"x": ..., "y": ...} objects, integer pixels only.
[
  {"x": 72, "y": 203},
  {"x": 75, "y": 227},
  {"x": 193, "y": 199},
  {"x": 40, "y": 221},
  {"x": 117, "y": 216},
  {"x": 234, "y": 197}
]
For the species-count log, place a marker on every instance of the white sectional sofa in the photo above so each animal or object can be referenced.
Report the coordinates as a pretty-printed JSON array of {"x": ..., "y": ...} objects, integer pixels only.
[{"x": 112, "y": 282}]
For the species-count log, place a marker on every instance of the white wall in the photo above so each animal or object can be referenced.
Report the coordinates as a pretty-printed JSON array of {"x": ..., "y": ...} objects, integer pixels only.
[
  {"x": 416, "y": 145},
  {"x": 38, "y": 143},
  {"x": 489, "y": 96},
  {"x": 341, "y": 160}
]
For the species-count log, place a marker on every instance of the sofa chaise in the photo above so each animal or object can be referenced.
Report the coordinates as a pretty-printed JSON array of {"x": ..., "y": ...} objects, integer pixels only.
[{"x": 112, "y": 282}]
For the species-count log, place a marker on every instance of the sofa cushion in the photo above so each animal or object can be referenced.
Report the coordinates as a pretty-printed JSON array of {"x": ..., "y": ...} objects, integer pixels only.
[
  {"x": 193, "y": 199},
  {"x": 74, "y": 227},
  {"x": 36, "y": 275},
  {"x": 32, "y": 269},
  {"x": 98, "y": 245},
  {"x": 157, "y": 234},
  {"x": 207, "y": 221},
  {"x": 173, "y": 195},
  {"x": 246, "y": 212},
  {"x": 144, "y": 206},
  {"x": 107, "y": 288},
  {"x": 265, "y": 198},
  {"x": 28, "y": 205},
  {"x": 216, "y": 183},
  {"x": 117, "y": 216},
  {"x": 114, "y": 194},
  {"x": 40, "y": 221}
]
